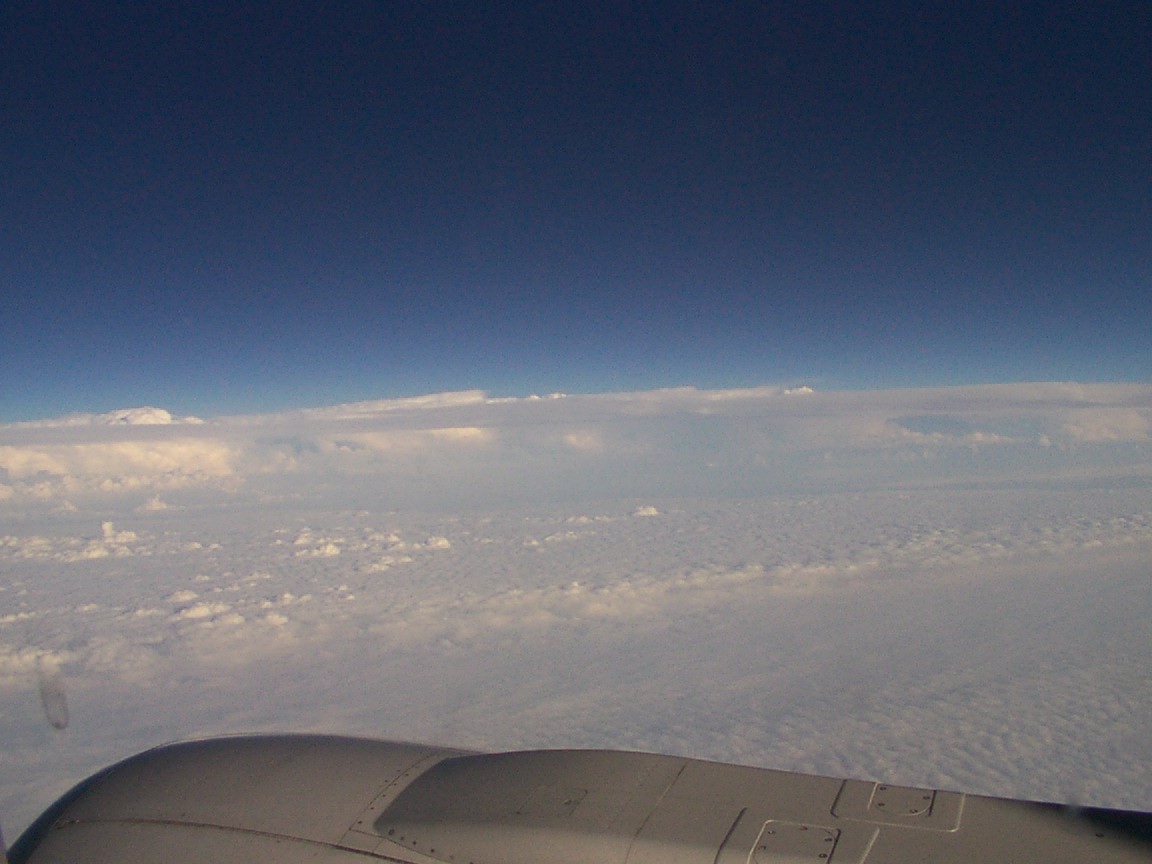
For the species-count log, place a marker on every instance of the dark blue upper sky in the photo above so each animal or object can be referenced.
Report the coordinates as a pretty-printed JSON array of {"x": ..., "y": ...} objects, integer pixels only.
[{"x": 221, "y": 207}]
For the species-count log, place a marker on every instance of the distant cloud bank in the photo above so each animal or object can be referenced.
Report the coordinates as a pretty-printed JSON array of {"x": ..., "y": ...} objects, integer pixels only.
[{"x": 675, "y": 441}]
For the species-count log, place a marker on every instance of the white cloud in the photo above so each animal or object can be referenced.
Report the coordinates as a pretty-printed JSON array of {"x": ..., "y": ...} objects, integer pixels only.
[
  {"x": 662, "y": 442},
  {"x": 324, "y": 550},
  {"x": 111, "y": 536},
  {"x": 903, "y": 584},
  {"x": 202, "y": 610},
  {"x": 1108, "y": 424},
  {"x": 590, "y": 441},
  {"x": 375, "y": 408},
  {"x": 143, "y": 416},
  {"x": 402, "y": 441},
  {"x": 114, "y": 460}
]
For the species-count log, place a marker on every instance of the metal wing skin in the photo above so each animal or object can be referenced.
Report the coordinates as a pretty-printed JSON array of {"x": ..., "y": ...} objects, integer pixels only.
[{"x": 340, "y": 800}]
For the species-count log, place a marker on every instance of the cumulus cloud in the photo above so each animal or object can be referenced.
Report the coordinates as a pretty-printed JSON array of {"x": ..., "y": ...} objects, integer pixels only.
[{"x": 142, "y": 416}]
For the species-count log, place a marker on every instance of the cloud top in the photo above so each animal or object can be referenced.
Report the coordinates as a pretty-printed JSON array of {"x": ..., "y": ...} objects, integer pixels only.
[
  {"x": 662, "y": 442},
  {"x": 143, "y": 416}
]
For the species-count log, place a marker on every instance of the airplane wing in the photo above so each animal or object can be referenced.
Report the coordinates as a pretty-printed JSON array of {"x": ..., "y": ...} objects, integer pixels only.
[{"x": 337, "y": 800}]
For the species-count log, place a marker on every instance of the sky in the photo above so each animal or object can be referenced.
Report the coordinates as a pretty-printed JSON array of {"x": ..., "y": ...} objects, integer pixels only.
[
  {"x": 222, "y": 209},
  {"x": 941, "y": 587}
]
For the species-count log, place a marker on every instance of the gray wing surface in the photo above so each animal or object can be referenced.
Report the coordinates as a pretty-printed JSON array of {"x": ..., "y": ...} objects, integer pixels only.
[{"x": 341, "y": 800}]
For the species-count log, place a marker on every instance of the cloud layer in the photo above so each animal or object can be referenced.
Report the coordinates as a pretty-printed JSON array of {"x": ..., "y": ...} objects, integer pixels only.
[
  {"x": 933, "y": 587},
  {"x": 460, "y": 448}
]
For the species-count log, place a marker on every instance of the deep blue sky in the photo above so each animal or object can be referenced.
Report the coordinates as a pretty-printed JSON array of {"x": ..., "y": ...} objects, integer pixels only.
[{"x": 220, "y": 207}]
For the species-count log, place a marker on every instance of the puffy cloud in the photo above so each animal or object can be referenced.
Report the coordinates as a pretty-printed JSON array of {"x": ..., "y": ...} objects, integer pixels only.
[
  {"x": 143, "y": 416},
  {"x": 199, "y": 611},
  {"x": 324, "y": 550},
  {"x": 152, "y": 505},
  {"x": 146, "y": 416}
]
